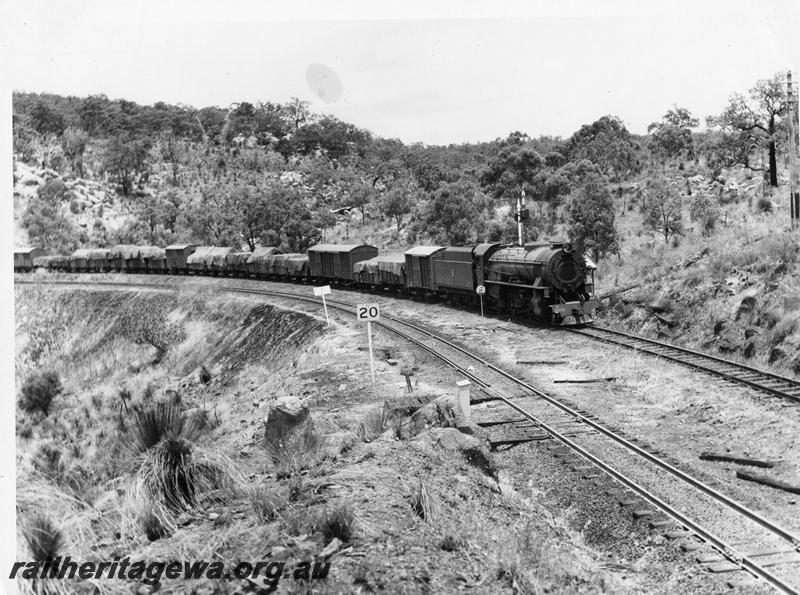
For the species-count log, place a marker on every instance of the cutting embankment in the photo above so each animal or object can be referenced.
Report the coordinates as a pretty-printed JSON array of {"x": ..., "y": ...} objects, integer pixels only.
[{"x": 192, "y": 425}]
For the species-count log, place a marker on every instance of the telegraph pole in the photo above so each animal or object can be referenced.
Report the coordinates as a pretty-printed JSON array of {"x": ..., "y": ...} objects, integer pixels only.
[{"x": 794, "y": 174}]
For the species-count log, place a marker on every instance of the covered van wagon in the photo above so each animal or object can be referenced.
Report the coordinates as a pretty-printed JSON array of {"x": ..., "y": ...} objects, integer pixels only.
[
  {"x": 389, "y": 269},
  {"x": 208, "y": 259},
  {"x": 177, "y": 255},
  {"x": 455, "y": 271},
  {"x": 420, "y": 266},
  {"x": 336, "y": 261},
  {"x": 23, "y": 258},
  {"x": 258, "y": 262},
  {"x": 87, "y": 260}
]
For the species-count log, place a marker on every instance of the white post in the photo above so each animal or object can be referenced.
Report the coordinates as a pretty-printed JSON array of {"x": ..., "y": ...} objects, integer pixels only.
[
  {"x": 463, "y": 397},
  {"x": 369, "y": 340},
  {"x": 324, "y": 305},
  {"x": 481, "y": 305}
]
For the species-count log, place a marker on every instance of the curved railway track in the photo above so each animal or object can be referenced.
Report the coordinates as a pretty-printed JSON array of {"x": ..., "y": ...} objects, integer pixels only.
[
  {"x": 768, "y": 382},
  {"x": 745, "y": 538}
]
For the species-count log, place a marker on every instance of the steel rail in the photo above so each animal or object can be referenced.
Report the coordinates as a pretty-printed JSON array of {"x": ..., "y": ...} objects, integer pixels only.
[
  {"x": 793, "y": 540},
  {"x": 728, "y": 375}
]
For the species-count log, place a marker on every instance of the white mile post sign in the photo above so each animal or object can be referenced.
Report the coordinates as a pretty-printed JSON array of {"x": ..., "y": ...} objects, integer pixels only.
[
  {"x": 367, "y": 313},
  {"x": 322, "y": 292}
]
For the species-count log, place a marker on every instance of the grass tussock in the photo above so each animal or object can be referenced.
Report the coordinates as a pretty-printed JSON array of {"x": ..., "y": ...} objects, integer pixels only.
[
  {"x": 421, "y": 503},
  {"x": 336, "y": 521},
  {"x": 173, "y": 469},
  {"x": 266, "y": 502},
  {"x": 375, "y": 422},
  {"x": 45, "y": 541}
]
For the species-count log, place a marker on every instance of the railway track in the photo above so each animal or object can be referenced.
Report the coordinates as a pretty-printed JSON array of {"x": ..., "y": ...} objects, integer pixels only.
[
  {"x": 768, "y": 382},
  {"x": 742, "y": 537}
]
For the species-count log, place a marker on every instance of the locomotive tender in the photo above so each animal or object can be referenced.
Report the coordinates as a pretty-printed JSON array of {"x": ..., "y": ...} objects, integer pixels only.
[{"x": 553, "y": 282}]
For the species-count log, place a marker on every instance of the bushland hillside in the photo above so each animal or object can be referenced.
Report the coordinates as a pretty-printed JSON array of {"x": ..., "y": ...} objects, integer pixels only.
[{"x": 696, "y": 218}]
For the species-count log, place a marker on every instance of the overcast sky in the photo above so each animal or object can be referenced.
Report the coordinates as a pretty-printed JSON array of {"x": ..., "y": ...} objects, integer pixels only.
[{"x": 528, "y": 67}]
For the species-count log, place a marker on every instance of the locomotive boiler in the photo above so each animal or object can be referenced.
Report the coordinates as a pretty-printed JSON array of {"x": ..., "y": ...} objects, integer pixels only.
[{"x": 552, "y": 280}]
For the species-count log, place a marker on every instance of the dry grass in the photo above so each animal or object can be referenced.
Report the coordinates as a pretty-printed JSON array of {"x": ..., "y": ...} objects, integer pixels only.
[
  {"x": 297, "y": 452},
  {"x": 265, "y": 501},
  {"x": 421, "y": 503},
  {"x": 375, "y": 422}
]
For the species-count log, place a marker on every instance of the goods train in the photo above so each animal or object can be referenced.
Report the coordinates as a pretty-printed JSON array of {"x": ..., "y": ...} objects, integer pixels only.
[{"x": 553, "y": 282}]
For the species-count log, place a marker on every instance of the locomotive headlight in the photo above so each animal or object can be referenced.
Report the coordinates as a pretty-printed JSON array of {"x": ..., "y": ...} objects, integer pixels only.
[{"x": 567, "y": 248}]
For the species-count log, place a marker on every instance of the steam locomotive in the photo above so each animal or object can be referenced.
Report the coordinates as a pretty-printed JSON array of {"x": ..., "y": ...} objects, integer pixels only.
[{"x": 552, "y": 282}]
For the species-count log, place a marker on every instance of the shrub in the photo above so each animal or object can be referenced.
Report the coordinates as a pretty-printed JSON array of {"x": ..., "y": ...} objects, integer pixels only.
[
  {"x": 451, "y": 543},
  {"x": 149, "y": 327},
  {"x": 205, "y": 375},
  {"x": 764, "y": 205},
  {"x": 39, "y": 390},
  {"x": 44, "y": 539},
  {"x": 336, "y": 521}
]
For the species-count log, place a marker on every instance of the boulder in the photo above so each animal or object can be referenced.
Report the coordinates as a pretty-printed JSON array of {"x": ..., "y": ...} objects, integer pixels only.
[
  {"x": 443, "y": 412},
  {"x": 749, "y": 349},
  {"x": 660, "y": 305},
  {"x": 746, "y": 306},
  {"x": 776, "y": 354},
  {"x": 286, "y": 416},
  {"x": 750, "y": 331},
  {"x": 475, "y": 450},
  {"x": 729, "y": 343},
  {"x": 719, "y": 326}
]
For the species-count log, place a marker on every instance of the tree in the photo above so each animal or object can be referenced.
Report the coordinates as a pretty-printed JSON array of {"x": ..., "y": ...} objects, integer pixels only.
[
  {"x": 672, "y": 137},
  {"x": 663, "y": 209},
  {"x": 93, "y": 114},
  {"x": 297, "y": 112},
  {"x": 704, "y": 209},
  {"x": 125, "y": 158},
  {"x": 399, "y": 200},
  {"x": 515, "y": 167},
  {"x": 591, "y": 218},
  {"x": 361, "y": 195},
  {"x": 607, "y": 143},
  {"x": 46, "y": 120},
  {"x": 170, "y": 149},
  {"x": 48, "y": 228},
  {"x": 455, "y": 213},
  {"x": 749, "y": 124},
  {"x": 74, "y": 144}
]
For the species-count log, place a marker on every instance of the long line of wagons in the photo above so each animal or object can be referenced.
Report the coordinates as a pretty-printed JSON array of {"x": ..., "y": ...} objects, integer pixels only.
[{"x": 552, "y": 281}]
